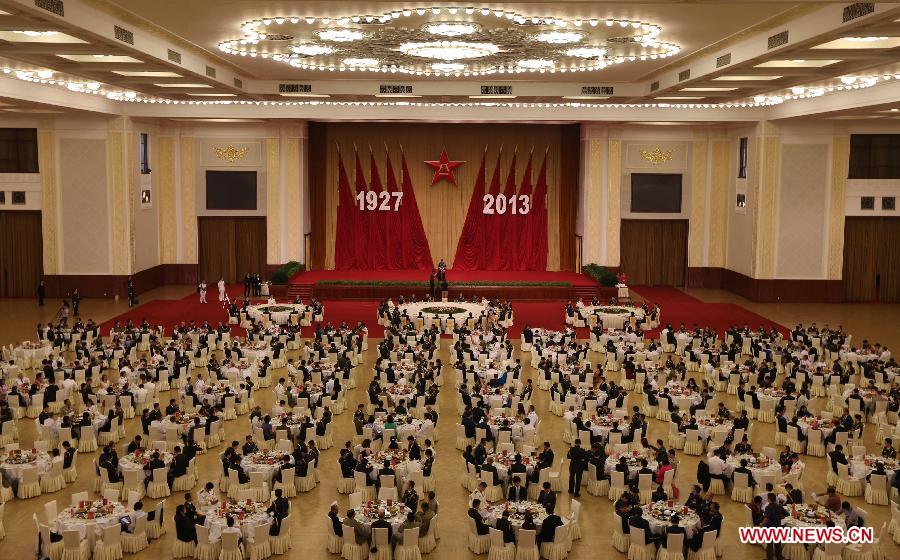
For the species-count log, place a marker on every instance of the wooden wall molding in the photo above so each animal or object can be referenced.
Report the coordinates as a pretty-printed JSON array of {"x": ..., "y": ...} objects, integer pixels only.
[{"x": 766, "y": 290}]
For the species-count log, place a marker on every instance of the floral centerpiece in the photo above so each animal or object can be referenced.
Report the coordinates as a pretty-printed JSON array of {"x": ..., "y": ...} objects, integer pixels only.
[
  {"x": 754, "y": 460},
  {"x": 665, "y": 510},
  {"x": 443, "y": 310},
  {"x": 614, "y": 310},
  {"x": 92, "y": 509},
  {"x": 871, "y": 461},
  {"x": 183, "y": 417},
  {"x": 622, "y": 278},
  {"x": 633, "y": 458},
  {"x": 517, "y": 510},
  {"x": 233, "y": 508},
  {"x": 21, "y": 457},
  {"x": 391, "y": 509},
  {"x": 506, "y": 459},
  {"x": 265, "y": 457},
  {"x": 393, "y": 457},
  {"x": 605, "y": 421},
  {"x": 811, "y": 514}
]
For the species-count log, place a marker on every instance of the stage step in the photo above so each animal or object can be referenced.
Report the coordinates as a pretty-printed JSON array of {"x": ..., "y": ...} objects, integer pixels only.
[
  {"x": 585, "y": 293},
  {"x": 303, "y": 291}
]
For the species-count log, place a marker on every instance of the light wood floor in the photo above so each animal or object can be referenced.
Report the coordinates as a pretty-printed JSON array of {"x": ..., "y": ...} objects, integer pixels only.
[{"x": 309, "y": 510}]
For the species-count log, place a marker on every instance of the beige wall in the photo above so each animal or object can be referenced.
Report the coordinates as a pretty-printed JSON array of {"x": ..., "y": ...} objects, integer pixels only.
[
  {"x": 84, "y": 203},
  {"x": 801, "y": 211}
]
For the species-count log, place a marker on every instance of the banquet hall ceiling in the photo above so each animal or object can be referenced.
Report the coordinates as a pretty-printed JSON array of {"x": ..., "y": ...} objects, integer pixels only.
[{"x": 744, "y": 53}]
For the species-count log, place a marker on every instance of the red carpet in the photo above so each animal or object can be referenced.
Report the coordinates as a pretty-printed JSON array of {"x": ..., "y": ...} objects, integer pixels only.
[
  {"x": 677, "y": 308},
  {"x": 314, "y": 276}
]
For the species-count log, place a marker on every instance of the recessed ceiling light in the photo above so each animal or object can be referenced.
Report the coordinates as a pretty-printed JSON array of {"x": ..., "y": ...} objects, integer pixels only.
[
  {"x": 304, "y": 95},
  {"x": 586, "y": 97},
  {"x": 587, "y": 52},
  {"x": 559, "y": 37},
  {"x": 709, "y": 89},
  {"x": 218, "y": 120},
  {"x": 746, "y": 78},
  {"x": 536, "y": 64},
  {"x": 14, "y": 37},
  {"x": 492, "y": 96},
  {"x": 680, "y": 97},
  {"x": 32, "y": 33},
  {"x": 362, "y": 62},
  {"x": 212, "y": 95},
  {"x": 183, "y": 85},
  {"x": 399, "y": 95},
  {"x": 797, "y": 63},
  {"x": 448, "y": 67},
  {"x": 99, "y": 58},
  {"x": 340, "y": 35},
  {"x": 451, "y": 28},
  {"x": 861, "y": 43},
  {"x": 311, "y": 49},
  {"x": 146, "y": 74}
]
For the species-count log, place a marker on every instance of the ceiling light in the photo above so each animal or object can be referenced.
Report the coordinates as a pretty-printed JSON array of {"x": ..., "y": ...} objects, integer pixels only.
[
  {"x": 587, "y": 52},
  {"x": 183, "y": 85},
  {"x": 559, "y": 37},
  {"x": 586, "y": 97},
  {"x": 759, "y": 98},
  {"x": 861, "y": 43},
  {"x": 94, "y": 86},
  {"x": 866, "y": 39},
  {"x": 796, "y": 63},
  {"x": 396, "y": 95},
  {"x": 798, "y": 90},
  {"x": 362, "y": 62},
  {"x": 709, "y": 89},
  {"x": 212, "y": 95},
  {"x": 340, "y": 35},
  {"x": 146, "y": 74},
  {"x": 746, "y": 78},
  {"x": 31, "y": 33},
  {"x": 45, "y": 74},
  {"x": 451, "y": 28},
  {"x": 679, "y": 97},
  {"x": 492, "y": 97},
  {"x": 449, "y": 50},
  {"x": 313, "y": 95},
  {"x": 98, "y": 58},
  {"x": 41, "y": 37},
  {"x": 448, "y": 67},
  {"x": 310, "y": 49},
  {"x": 535, "y": 64},
  {"x": 848, "y": 80}
]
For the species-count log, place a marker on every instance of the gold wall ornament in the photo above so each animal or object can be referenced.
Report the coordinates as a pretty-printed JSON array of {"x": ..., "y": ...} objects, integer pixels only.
[
  {"x": 656, "y": 156},
  {"x": 231, "y": 153}
]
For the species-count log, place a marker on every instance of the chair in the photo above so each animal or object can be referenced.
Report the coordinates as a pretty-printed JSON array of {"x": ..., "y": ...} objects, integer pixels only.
[
  {"x": 53, "y": 480},
  {"x": 815, "y": 443},
  {"x": 707, "y": 549},
  {"x": 381, "y": 544},
  {"x": 136, "y": 541},
  {"x": 205, "y": 548},
  {"x": 558, "y": 548},
  {"x": 390, "y": 493},
  {"x": 281, "y": 543},
  {"x": 645, "y": 488},
  {"x": 500, "y": 550},
  {"x": 596, "y": 487},
  {"x": 2, "y": 528},
  {"x": 159, "y": 484},
  {"x": 877, "y": 490},
  {"x": 574, "y": 523},
  {"x": 846, "y": 483},
  {"x": 478, "y": 544},
  {"x": 334, "y": 543},
  {"x": 350, "y": 550},
  {"x": 555, "y": 477},
  {"x": 156, "y": 528},
  {"x": 792, "y": 440},
  {"x": 231, "y": 547},
  {"x": 29, "y": 483},
  {"x": 692, "y": 443},
  {"x": 110, "y": 546},
  {"x": 830, "y": 551},
  {"x": 73, "y": 548},
  {"x": 618, "y": 486},
  {"x": 408, "y": 547},
  {"x": 186, "y": 481},
  {"x": 87, "y": 443},
  {"x": 527, "y": 548},
  {"x": 106, "y": 484},
  {"x": 639, "y": 549},
  {"x": 673, "y": 548},
  {"x": 260, "y": 547},
  {"x": 741, "y": 491},
  {"x": 133, "y": 481},
  {"x": 368, "y": 492},
  {"x": 894, "y": 527},
  {"x": 428, "y": 542}
]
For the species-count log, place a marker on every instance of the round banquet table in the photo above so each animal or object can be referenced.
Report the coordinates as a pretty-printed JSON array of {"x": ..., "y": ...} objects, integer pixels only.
[
  {"x": 182, "y": 427},
  {"x": 503, "y": 461},
  {"x": 405, "y": 427},
  {"x": 135, "y": 462},
  {"x": 466, "y": 308},
  {"x": 266, "y": 462},
  {"x": 827, "y": 426},
  {"x": 496, "y": 422},
  {"x": 395, "y": 514},
  {"x": 761, "y": 466},
  {"x": 72, "y": 519},
  {"x": 398, "y": 392},
  {"x": 607, "y": 314},
  {"x": 399, "y": 462},
  {"x": 13, "y": 470},
  {"x": 601, "y": 425},
  {"x": 805, "y": 515},
  {"x": 861, "y": 467},
  {"x": 280, "y": 317},
  {"x": 658, "y": 514},
  {"x": 254, "y": 514},
  {"x": 709, "y": 425},
  {"x": 634, "y": 464},
  {"x": 516, "y": 513}
]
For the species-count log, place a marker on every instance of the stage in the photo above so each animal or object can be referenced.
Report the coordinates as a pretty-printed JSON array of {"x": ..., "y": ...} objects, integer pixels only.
[{"x": 381, "y": 284}]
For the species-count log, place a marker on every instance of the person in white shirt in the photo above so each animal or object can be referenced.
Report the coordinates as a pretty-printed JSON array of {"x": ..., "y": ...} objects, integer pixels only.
[
  {"x": 719, "y": 468},
  {"x": 221, "y": 286},
  {"x": 478, "y": 494},
  {"x": 208, "y": 496},
  {"x": 129, "y": 522},
  {"x": 202, "y": 289}
]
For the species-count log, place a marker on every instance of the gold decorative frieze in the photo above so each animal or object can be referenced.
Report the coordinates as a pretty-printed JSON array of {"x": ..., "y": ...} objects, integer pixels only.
[
  {"x": 656, "y": 156},
  {"x": 231, "y": 154}
]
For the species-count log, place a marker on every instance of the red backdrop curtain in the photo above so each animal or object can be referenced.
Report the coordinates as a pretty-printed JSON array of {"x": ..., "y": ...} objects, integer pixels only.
[{"x": 469, "y": 249}]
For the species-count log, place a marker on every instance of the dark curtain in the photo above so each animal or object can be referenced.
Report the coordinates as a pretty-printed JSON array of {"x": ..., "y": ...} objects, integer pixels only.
[
  {"x": 21, "y": 253},
  {"x": 860, "y": 260},
  {"x": 316, "y": 179},
  {"x": 889, "y": 260},
  {"x": 570, "y": 163},
  {"x": 230, "y": 247},
  {"x": 654, "y": 252}
]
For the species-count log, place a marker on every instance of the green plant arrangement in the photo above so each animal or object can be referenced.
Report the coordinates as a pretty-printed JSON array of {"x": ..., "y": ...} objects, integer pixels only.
[
  {"x": 601, "y": 274},
  {"x": 416, "y": 283},
  {"x": 284, "y": 274}
]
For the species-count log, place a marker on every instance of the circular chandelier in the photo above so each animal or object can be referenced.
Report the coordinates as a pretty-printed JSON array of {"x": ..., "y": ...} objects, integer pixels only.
[
  {"x": 444, "y": 41},
  {"x": 448, "y": 50},
  {"x": 451, "y": 28}
]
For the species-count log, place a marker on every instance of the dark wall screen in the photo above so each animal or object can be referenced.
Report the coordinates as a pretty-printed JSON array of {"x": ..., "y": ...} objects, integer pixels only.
[
  {"x": 656, "y": 193},
  {"x": 231, "y": 190}
]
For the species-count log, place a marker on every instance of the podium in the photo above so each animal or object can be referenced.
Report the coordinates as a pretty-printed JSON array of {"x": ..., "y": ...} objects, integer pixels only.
[{"x": 623, "y": 293}]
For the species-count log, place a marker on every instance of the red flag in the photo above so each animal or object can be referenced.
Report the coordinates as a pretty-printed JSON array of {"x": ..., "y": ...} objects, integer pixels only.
[
  {"x": 415, "y": 249},
  {"x": 506, "y": 241},
  {"x": 345, "y": 235},
  {"x": 520, "y": 234},
  {"x": 467, "y": 250},
  {"x": 361, "y": 241},
  {"x": 377, "y": 219},
  {"x": 538, "y": 252},
  {"x": 394, "y": 243},
  {"x": 489, "y": 230}
]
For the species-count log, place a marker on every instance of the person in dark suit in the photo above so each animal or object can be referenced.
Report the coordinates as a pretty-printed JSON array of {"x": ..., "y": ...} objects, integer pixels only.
[
  {"x": 184, "y": 526},
  {"x": 675, "y": 528},
  {"x": 481, "y": 527},
  {"x": 546, "y": 497},
  {"x": 578, "y": 460},
  {"x": 637, "y": 523},
  {"x": 548, "y": 527},
  {"x": 336, "y": 525},
  {"x": 279, "y": 509},
  {"x": 503, "y": 524},
  {"x": 517, "y": 492},
  {"x": 381, "y": 523}
]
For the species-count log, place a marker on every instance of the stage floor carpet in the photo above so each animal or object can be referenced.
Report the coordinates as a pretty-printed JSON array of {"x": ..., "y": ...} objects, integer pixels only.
[
  {"x": 677, "y": 308},
  {"x": 313, "y": 276}
]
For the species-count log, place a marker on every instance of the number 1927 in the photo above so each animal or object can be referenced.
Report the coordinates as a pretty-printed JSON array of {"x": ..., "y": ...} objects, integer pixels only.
[{"x": 379, "y": 200}]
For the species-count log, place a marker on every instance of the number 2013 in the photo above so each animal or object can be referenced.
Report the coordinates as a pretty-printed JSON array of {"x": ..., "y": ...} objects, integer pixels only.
[{"x": 500, "y": 204}]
